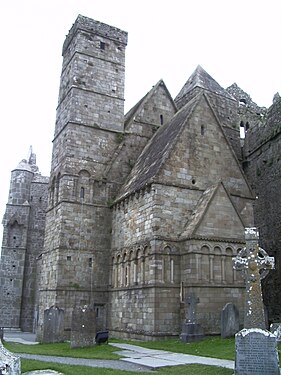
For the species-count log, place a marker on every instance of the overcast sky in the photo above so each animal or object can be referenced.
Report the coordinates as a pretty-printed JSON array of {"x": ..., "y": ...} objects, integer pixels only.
[{"x": 234, "y": 41}]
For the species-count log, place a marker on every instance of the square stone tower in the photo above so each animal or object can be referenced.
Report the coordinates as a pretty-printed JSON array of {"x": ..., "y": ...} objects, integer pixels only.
[{"x": 90, "y": 112}]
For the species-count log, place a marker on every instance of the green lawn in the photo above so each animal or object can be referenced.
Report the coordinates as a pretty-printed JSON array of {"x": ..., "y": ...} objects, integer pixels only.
[
  {"x": 63, "y": 350},
  {"x": 30, "y": 365},
  {"x": 208, "y": 347}
]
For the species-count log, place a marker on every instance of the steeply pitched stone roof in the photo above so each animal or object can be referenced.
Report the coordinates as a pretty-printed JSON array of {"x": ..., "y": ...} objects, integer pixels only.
[
  {"x": 134, "y": 110},
  {"x": 201, "y": 209},
  {"x": 200, "y": 78},
  {"x": 157, "y": 150}
]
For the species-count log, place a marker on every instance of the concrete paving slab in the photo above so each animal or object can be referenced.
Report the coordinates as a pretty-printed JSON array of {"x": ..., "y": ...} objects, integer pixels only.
[
  {"x": 161, "y": 358},
  {"x": 151, "y": 362}
]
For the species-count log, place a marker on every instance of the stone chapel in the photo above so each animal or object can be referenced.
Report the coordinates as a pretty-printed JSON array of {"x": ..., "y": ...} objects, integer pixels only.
[{"x": 139, "y": 210}]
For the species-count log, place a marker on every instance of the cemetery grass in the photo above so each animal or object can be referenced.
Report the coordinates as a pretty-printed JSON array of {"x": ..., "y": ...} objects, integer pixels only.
[
  {"x": 214, "y": 347},
  {"x": 63, "y": 350},
  {"x": 31, "y": 365}
]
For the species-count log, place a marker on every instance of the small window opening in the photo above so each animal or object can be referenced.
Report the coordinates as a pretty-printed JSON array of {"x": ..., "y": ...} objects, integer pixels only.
[
  {"x": 102, "y": 46},
  {"x": 68, "y": 258},
  {"x": 161, "y": 120},
  {"x": 193, "y": 181},
  {"x": 82, "y": 193},
  {"x": 242, "y": 130},
  {"x": 247, "y": 126},
  {"x": 202, "y": 129},
  {"x": 97, "y": 312},
  {"x": 90, "y": 262},
  {"x": 242, "y": 101}
]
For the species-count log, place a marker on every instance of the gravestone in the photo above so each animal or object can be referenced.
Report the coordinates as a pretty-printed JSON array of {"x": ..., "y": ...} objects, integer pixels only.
[
  {"x": 9, "y": 363},
  {"x": 256, "y": 353},
  {"x": 229, "y": 320},
  {"x": 83, "y": 327},
  {"x": 256, "y": 348},
  {"x": 191, "y": 330},
  {"x": 53, "y": 325}
]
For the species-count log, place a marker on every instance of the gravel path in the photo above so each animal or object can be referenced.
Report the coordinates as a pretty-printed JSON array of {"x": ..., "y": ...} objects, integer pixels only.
[{"x": 117, "y": 365}]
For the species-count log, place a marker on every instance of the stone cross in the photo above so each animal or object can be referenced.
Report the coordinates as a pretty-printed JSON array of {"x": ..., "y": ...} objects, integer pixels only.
[
  {"x": 190, "y": 303},
  {"x": 256, "y": 264}
]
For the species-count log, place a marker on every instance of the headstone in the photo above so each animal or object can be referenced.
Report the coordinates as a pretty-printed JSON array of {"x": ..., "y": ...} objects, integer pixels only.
[
  {"x": 9, "y": 363},
  {"x": 1, "y": 333},
  {"x": 256, "y": 353},
  {"x": 83, "y": 327},
  {"x": 191, "y": 330},
  {"x": 53, "y": 330},
  {"x": 256, "y": 348},
  {"x": 229, "y": 320},
  {"x": 255, "y": 263}
]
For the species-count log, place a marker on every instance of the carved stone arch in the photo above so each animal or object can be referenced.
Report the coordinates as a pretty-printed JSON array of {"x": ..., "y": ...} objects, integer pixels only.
[
  {"x": 229, "y": 251},
  {"x": 217, "y": 250},
  {"x": 84, "y": 185},
  {"x": 205, "y": 249},
  {"x": 217, "y": 275},
  {"x": 204, "y": 263}
]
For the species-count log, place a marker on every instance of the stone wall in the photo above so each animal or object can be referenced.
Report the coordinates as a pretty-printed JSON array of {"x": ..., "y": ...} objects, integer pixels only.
[{"x": 262, "y": 166}]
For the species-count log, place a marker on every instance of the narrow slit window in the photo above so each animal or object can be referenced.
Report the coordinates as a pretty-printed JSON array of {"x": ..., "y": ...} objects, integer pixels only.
[
  {"x": 82, "y": 193},
  {"x": 102, "y": 46},
  {"x": 161, "y": 120},
  {"x": 242, "y": 130},
  {"x": 202, "y": 129}
]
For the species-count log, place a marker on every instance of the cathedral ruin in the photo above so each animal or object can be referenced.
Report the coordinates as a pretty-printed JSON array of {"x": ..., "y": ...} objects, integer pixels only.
[{"x": 143, "y": 208}]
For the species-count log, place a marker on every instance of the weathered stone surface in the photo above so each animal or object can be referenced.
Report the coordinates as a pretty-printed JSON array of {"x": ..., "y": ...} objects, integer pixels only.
[
  {"x": 254, "y": 261},
  {"x": 275, "y": 328},
  {"x": 140, "y": 206},
  {"x": 53, "y": 325},
  {"x": 9, "y": 362},
  {"x": 256, "y": 353},
  {"x": 229, "y": 320},
  {"x": 83, "y": 327}
]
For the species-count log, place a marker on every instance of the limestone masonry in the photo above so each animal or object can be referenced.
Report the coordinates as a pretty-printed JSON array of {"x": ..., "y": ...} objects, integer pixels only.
[{"x": 140, "y": 210}]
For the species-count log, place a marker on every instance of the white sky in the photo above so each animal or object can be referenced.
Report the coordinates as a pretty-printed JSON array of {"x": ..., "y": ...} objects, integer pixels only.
[{"x": 233, "y": 40}]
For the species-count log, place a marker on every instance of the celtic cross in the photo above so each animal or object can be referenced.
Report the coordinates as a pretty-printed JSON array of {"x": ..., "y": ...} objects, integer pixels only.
[{"x": 256, "y": 264}]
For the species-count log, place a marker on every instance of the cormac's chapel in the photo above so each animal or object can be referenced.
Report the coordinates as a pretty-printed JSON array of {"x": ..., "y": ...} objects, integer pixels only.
[{"x": 140, "y": 210}]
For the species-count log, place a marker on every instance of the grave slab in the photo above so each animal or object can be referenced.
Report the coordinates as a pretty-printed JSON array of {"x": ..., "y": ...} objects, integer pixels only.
[{"x": 256, "y": 353}]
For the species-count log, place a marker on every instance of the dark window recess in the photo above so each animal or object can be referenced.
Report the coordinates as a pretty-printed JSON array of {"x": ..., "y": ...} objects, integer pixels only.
[
  {"x": 102, "y": 46},
  {"x": 202, "y": 129},
  {"x": 242, "y": 130},
  {"x": 82, "y": 193},
  {"x": 90, "y": 262},
  {"x": 68, "y": 258},
  {"x": 161, "y": 120}
]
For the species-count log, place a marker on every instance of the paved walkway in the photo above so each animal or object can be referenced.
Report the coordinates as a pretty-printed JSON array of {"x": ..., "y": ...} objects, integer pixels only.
[{"x": 135, "y": 358}]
